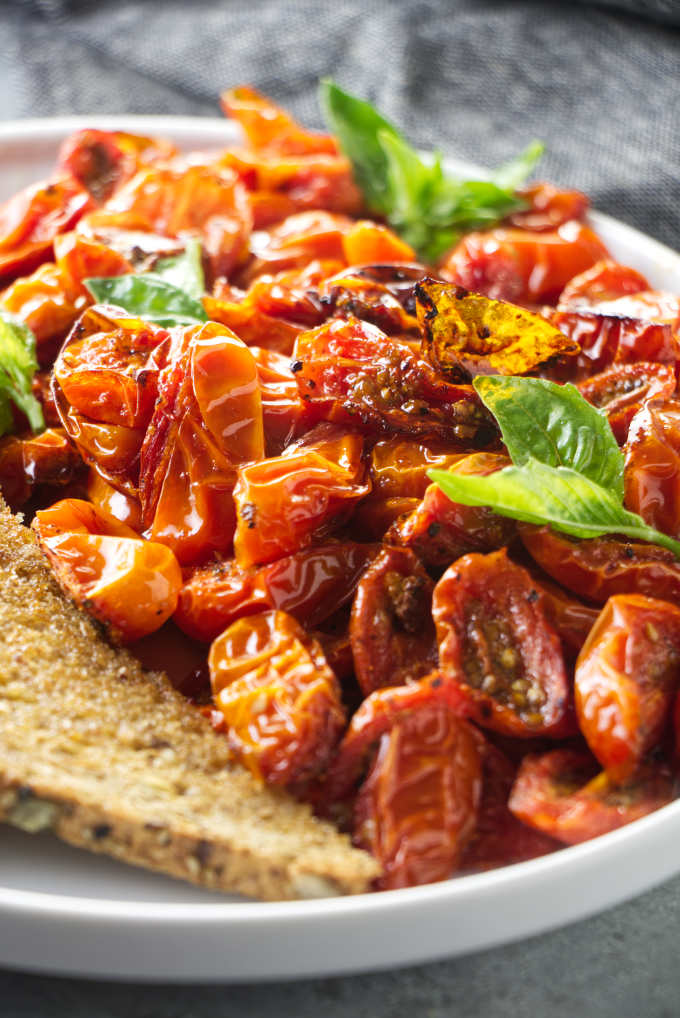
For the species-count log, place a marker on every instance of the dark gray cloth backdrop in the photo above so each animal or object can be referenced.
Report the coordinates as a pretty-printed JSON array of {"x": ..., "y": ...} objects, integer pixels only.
[{"x": 599, "y": 83}]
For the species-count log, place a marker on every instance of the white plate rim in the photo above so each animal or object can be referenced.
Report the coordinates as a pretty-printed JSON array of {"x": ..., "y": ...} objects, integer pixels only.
[{"x": 262, "y": 921}]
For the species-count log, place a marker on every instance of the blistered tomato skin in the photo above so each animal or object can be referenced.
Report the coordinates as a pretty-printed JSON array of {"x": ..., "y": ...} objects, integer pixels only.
[
  {"x": 276, "y": 698},
  {"x": 624, "y": 389},
  {"x": 562, "y": 794},
  {"x": 626, "y": 677},
  {"x": 652, "y": 465},
  {"x": 417, "y": 809},
  {"x": 606, "y": 280},
  {"x": 521, "y": 265},
  {"x": 391, "y": 629},
  {"x": 129, "y": 585},
  {"x": 36, "y": 460},
  {"x": 498, "y": 648},
  {"x": 309, "y": 584},
  {"x": 603, "y": 566},
  {"x": 549, "y": 207},
  {"x": 283, "y": 502}
]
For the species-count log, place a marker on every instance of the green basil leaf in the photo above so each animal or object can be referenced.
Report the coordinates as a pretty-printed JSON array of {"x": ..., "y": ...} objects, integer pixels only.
[
  {"x": 356, "y": 125},
  {"x": 513, "y": 173},
  {"x": 554, "y": 424},
  {"x": 184, "y": 270},
  {"x": 18, "y": 365},
  {"x": 148, "y": 297},
  {"x": 540, "y": 494}
]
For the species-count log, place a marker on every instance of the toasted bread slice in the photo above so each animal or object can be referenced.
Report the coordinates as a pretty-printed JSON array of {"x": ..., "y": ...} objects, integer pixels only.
[{"x": 111, "y": 758}]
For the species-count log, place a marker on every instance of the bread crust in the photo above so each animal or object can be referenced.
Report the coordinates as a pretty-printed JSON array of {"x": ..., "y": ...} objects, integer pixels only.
[{"x": 111, "y": 758}]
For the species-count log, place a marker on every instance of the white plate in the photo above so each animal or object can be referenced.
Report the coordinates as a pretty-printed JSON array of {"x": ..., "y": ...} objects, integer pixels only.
[{"x": 63, "y": 910}]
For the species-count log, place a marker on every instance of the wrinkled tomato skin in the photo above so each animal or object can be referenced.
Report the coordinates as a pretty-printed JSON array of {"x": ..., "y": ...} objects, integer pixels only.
[
  {"x": 652, "y": 465},
  {"x": 622, "y": 390},
  {"x": 391, "y": 629},
  {"x": 440, "y": 531},
  {"x": 31, "y": 219},
  {"x": 399, "y": 466},
  {"x": 270, "y": 128},
  {"x": 296, "y": 241},
  {"x": 374, "y": 517},
  {"x": 278, "y": 699},
  {"x": 26, "y": 464},
  {"x": 611, "y": 338},
  {"x": 562, "y": 794},
  {"x": 497, "y": 646},
  {"x": 283, "y": 412},
  {"x": 571, "y": 618},
  {"x": 129, "y": 585},
  {"x": 309, "y": 585},
  {"x": 600, "y": 567},
  {"x": 605, "y": 281},
  {"x": 626, "y": 677},
  {"x": 103, "y": 160},
  {"x": 417, "y": 809},
  {"x": 41, "y": 302},
  {"x": 350, "y": 372},
  {"x": 500, "y": 838},
  {"x": 375, "y": 716},
  {"x": 123, "y": 507},
  {"x": 523, "y": 266},
  {"x": 549, "y": 207},
  {"x": 347, "y": 295},
  {"x": 283, "y": 502}
]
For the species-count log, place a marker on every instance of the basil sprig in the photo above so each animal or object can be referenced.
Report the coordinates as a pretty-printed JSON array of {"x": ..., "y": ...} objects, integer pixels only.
[
  {"x": 18, "y": 365},
  {"x": 170, "y": 295},
  {"x": 559, "y": 476},
  {"x": 429, "y": 208}
]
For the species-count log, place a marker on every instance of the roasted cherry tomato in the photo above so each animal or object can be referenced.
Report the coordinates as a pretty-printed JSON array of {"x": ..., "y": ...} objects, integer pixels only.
[
  {"x": 623, "y": 389},
  {"x": 417, "y": 809},
  {"x": 103, "y": 160},
  {"x": 42, "y": 302},
  {"x": 440, "y": 530},
  {"x": 31, "y": 220},
  {"x": 276, "y": 697},
  {"x": 549, "y": 207},
  {"x": 521, "y": 265},
  {"x": 309, "y": 585},
  {"x": 399, "y": 466},
  {"x": 604, "y": 281},
  {"x": 296, "y": 241},
  {"x": 284, "y": 413},
  {"x": 31, "y": 462},
  {"x": 562, "y": 794},
  {"x": 652, "y": 465},
  {"x": 600, "y": 567},
  {"x": 283, "y": 502},
  {"x": 499, "y": 837},
  {"x": 173, "y": 200},
  {"x": 351, "y": 372},
  {"x": 367, "y": 241},
  {"x": 79, "y": 258},
  {"x": 391, "y": 629},
  {"x": 121, "y": 506},
  {"x": 269, "y": 127},
  {"x": 374, "y": 517},
  {"x": 128, "y": 584},
  {"x": 497, "y": 646},
  {"x": 612, "y": 337},
  {"x": 346, "y": 295},
  {"x": 626, "y": 677},
  {"x": 571, "y": 618}
]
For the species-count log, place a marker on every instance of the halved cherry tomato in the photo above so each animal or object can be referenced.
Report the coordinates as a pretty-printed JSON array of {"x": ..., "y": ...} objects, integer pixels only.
[
  {"x": 27, "y": 463},
  {"x": 614, "y": 338},
  {"x": 31, "y": 220},
  {"x": 128, "y": 584},
  {"x": 296, "y": 241},
  {"x": 269, "y": 127},
  {"x": 283, "y": 411},
  {"x": 624, "y": 388},
  {"x": 626, "y": 677},
  {"x": 351, "y": 372},
  {"x": 417, "y": 809},
  {"x": 499, "y": 837},
  {"x": 346, "y": 295},
  {"x": 562, "y": 794},
  {"x": 283, "y": 502},
  {"x": 276, "y": 697},
  {"x": 652, "y": 465},
  {"x": 600, "y": 567},
  {"x": 122, "y": 506},
  {"x": 399, "y": 466},
  {"x": 391, "y": 629},
  {"x": 440, "y": 531},
  {"x": 549, "y": 207},
  {"x": 497, "y": 646},
  {"x": 374, "y": 517},
  {"x": 571, "y": 618},
  {"x": 41, "y": 302},
  {"x": 367, "y": 241},
  {"x": 309, "y": 585},
  {"x": 521, "y": 265},
  {"x": 103, "y": 160},
  {"x": 604, "y": 281}
]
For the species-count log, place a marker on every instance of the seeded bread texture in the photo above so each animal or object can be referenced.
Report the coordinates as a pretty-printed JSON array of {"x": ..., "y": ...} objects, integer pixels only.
[{"x": 109, "y": 757}]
